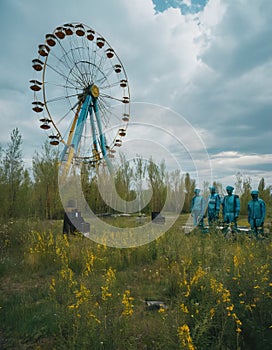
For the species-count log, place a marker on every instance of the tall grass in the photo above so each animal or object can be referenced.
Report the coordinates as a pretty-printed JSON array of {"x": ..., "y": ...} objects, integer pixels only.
[{"x": 63, "y": 292}]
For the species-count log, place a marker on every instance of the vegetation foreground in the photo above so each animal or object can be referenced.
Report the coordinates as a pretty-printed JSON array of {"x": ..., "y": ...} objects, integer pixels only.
[{"x": 61, "y": 292}]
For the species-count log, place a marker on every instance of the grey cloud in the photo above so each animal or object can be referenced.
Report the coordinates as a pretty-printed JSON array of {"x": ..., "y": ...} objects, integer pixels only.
[
  {"x": 242, "y": 39},
  {"x": 224, "y": 90}
]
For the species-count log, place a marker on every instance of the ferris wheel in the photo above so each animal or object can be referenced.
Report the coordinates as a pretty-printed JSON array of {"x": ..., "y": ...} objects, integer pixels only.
[{"x": 81, "y": 94}]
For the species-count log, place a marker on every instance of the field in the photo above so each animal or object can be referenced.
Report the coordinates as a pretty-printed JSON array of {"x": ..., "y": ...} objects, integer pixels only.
[{"x": 196, "y": 291}]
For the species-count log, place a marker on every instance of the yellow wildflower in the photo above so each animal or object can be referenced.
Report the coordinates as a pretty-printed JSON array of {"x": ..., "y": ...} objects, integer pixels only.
[
  {"x": 185, "y": 337},
  {"x": 110, "y": 275},
  {"x": 89, "y": 263},
  {"x": 127, "y": 302},
  {"x": 199, "y": 274},
  {"x": 94, "y": 317},
  {"x": 184, "y": 308},
  {"x": 235, "y": 261},
  {"x": 230, "y": 308},
  {"x": 212, "y": 312},
  {"x": 161, "y": 309},
  {"x": 53, "y": 285},
  {"x": 105, "y": 294},
  {"x": 187, "y": 293}
]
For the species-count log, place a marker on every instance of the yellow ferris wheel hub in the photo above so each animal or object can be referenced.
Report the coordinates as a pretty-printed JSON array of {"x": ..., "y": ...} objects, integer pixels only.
[{"x": 95, "y": 91}]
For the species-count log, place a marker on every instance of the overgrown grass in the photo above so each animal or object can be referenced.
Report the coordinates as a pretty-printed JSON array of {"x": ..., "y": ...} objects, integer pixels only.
[{"x": 71, "y": 293}]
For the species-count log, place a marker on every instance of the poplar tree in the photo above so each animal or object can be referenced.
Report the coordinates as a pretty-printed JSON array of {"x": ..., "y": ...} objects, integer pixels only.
[
  {"x": 156, "y": 177},
  {"x": 246, "y": 195},
  {"x": 189, "y": 185},
  {"x": 12, "y": 175}
]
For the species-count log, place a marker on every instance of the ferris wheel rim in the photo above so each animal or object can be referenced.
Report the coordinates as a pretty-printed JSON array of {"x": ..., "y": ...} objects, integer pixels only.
[{"x": 45, "y": 65}]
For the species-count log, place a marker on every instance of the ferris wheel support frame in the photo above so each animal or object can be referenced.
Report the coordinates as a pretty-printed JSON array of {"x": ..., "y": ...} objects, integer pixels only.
[{"x": 89, "y": 105}]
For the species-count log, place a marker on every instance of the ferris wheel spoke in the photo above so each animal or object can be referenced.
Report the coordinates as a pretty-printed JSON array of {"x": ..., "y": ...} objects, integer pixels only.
[
  {"x": 104, "y": 113},
  {"x": 63, "y": 75},
  {"x": 76, "y": 74},
  {"x": 110, "y": 116},
  {"x": 61, "y": 86},
  {"x": 81, "y": 67},
  {"x": 108, "y": 73},
  {"x": 60, "y": 98},
  {"x": 101, "y": 80},
  {"x": 64, "y": 59},
  {"x": 104, "y": 104},
  {"x": 68, "y": 59},
  {"x": 100, "y": 65},
  {"x": 104, "y": 81},
  {"x": 73, "y": 64},
  {"x": 66, "y": 63},
  {"x": 109, "y": 86},
  {"x": 66, "y": 114},
  {"x": 94, "y": 66},
  {"x": 112, "y": 98},
  {"x": 90, "y": 59}
]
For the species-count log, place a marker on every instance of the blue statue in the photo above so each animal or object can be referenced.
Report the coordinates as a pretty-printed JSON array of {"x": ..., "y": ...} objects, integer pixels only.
[
  {"x": 230, "y": 207},
  {"x": 256, "y": 212},
  {"x": 213, "y": 205},
  {"x": 198, "y": 208}
]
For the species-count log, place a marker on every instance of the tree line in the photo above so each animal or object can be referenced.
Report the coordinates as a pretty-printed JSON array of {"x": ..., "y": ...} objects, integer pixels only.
[{"x": 34, "y": 193}]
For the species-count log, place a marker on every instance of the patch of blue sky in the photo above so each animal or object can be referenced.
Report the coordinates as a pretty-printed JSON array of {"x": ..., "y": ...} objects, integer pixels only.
[{"x": 185, "y": 6}]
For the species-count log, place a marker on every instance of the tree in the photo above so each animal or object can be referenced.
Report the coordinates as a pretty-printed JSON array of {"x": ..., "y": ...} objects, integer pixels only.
[
  {"x": 156, "y": 176},
  {"x": 246, "y": 196},
  {"x": 123, "y": 181},
  {"x": 45, "y": 172},
  {"x": 206, "y": 190},
  {"x": 265, "y": 194},
  {"x": 175, "y": 185},
  {"x": 261, "y": 186},
  {"x": 218, "y": 187},
  {"x": 26, "y": 196},
  {"x": 12, "y": 175},
  {"x": 239, "y": 184},
  {"x": 86, "y": 171},
  {"x": 189, "y": 192},
  {"x": 138, "y": 176}
]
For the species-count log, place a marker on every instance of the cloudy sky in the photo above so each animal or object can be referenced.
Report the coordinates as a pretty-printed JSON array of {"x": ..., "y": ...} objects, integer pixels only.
[{"x": 207, "y": 62}]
